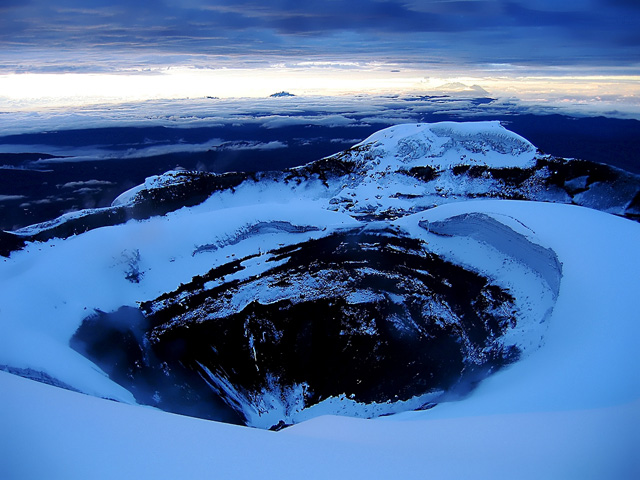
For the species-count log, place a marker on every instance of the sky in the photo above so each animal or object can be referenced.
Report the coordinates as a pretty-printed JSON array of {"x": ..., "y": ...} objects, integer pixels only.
[{"x": 120, "y": 49}]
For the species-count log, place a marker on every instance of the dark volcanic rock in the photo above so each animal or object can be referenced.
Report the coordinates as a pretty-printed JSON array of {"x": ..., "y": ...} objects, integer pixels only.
[
  {"x": 9, "y": 243},
  {"x": 179, "y": 189},
  {"x": 117, "y": 342},
  {"x": 374, "y": 319},
  {"x": 550, "y": 179},
  {"x": 367, "y": 314}
]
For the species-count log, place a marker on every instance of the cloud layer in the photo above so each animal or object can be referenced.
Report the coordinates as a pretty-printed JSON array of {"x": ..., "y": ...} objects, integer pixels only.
[
  {"x": 532, "y": 32},
  {"x": 275, "y": 113}
]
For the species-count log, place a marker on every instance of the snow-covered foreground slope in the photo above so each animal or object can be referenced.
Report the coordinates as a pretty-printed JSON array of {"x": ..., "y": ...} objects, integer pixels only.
[
  {"x": 571, "y": 409},
  {"x": 518, "y": 318},
  {"x": 56, "y": 434}
]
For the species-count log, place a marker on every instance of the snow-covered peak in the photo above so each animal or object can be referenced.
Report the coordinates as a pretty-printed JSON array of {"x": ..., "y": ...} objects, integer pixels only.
[
  {"x": 446, "y": 144},
  {"x": 282, "y": 94}
]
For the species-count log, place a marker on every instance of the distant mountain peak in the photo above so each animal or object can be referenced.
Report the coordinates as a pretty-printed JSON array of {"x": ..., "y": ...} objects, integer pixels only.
[{"x": 282, "y": 94}]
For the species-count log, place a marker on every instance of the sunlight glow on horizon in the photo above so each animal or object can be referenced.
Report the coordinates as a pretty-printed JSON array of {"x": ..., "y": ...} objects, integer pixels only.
[
  {"x": 181, "y": 82},
  {"x": 33, "y": 91}
]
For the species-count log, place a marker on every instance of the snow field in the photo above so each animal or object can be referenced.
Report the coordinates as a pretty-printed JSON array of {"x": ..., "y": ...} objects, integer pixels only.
[{"x": 569, "y": 409}]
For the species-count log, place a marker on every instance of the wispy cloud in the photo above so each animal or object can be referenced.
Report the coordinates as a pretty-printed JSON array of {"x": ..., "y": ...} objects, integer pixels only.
[
  {"x": 70, "y": 153},
  {"x": 86, "y": 183},
  {"x": 246, "y": 145},
  {"x": 11, "y": 198},
  {"x": 531, "y": 32}
]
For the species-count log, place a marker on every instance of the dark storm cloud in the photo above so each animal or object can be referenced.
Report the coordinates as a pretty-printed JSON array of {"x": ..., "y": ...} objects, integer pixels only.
[{"x": 533, "y": 31}]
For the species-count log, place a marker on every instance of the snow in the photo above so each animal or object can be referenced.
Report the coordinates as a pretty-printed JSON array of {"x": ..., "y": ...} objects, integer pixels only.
[
  {"x": 390, "y": 164},
  {"x": 512, "y": 259},
  {"x": 568, "y": 409},
  {"x": 127, "y": 197},
  {"x": 41, "y": 311},
  {"x": 451, "y": 143},
  {"x": 68, "y": 435}
]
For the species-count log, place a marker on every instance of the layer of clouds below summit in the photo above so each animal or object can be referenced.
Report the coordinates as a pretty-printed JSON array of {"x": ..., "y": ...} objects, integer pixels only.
[
  {"x": 342, "y": 112},
  {"x": 43, "y": 35},
  {"x": 97, "y": 153}
]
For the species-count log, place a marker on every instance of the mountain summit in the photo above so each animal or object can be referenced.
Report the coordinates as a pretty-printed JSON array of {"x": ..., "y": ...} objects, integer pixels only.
[{"x": 344, "y": 286}]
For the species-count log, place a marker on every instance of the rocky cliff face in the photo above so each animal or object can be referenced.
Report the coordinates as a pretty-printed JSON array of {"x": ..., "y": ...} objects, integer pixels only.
[{"x": 370, "y": 315}]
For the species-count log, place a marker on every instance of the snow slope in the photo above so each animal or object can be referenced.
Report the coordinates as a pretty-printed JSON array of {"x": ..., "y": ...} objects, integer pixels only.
[
  {"x": 569, "y": 410},
  {"x": 450, "y": 143},
  {"x": 41, "y": 311}
]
